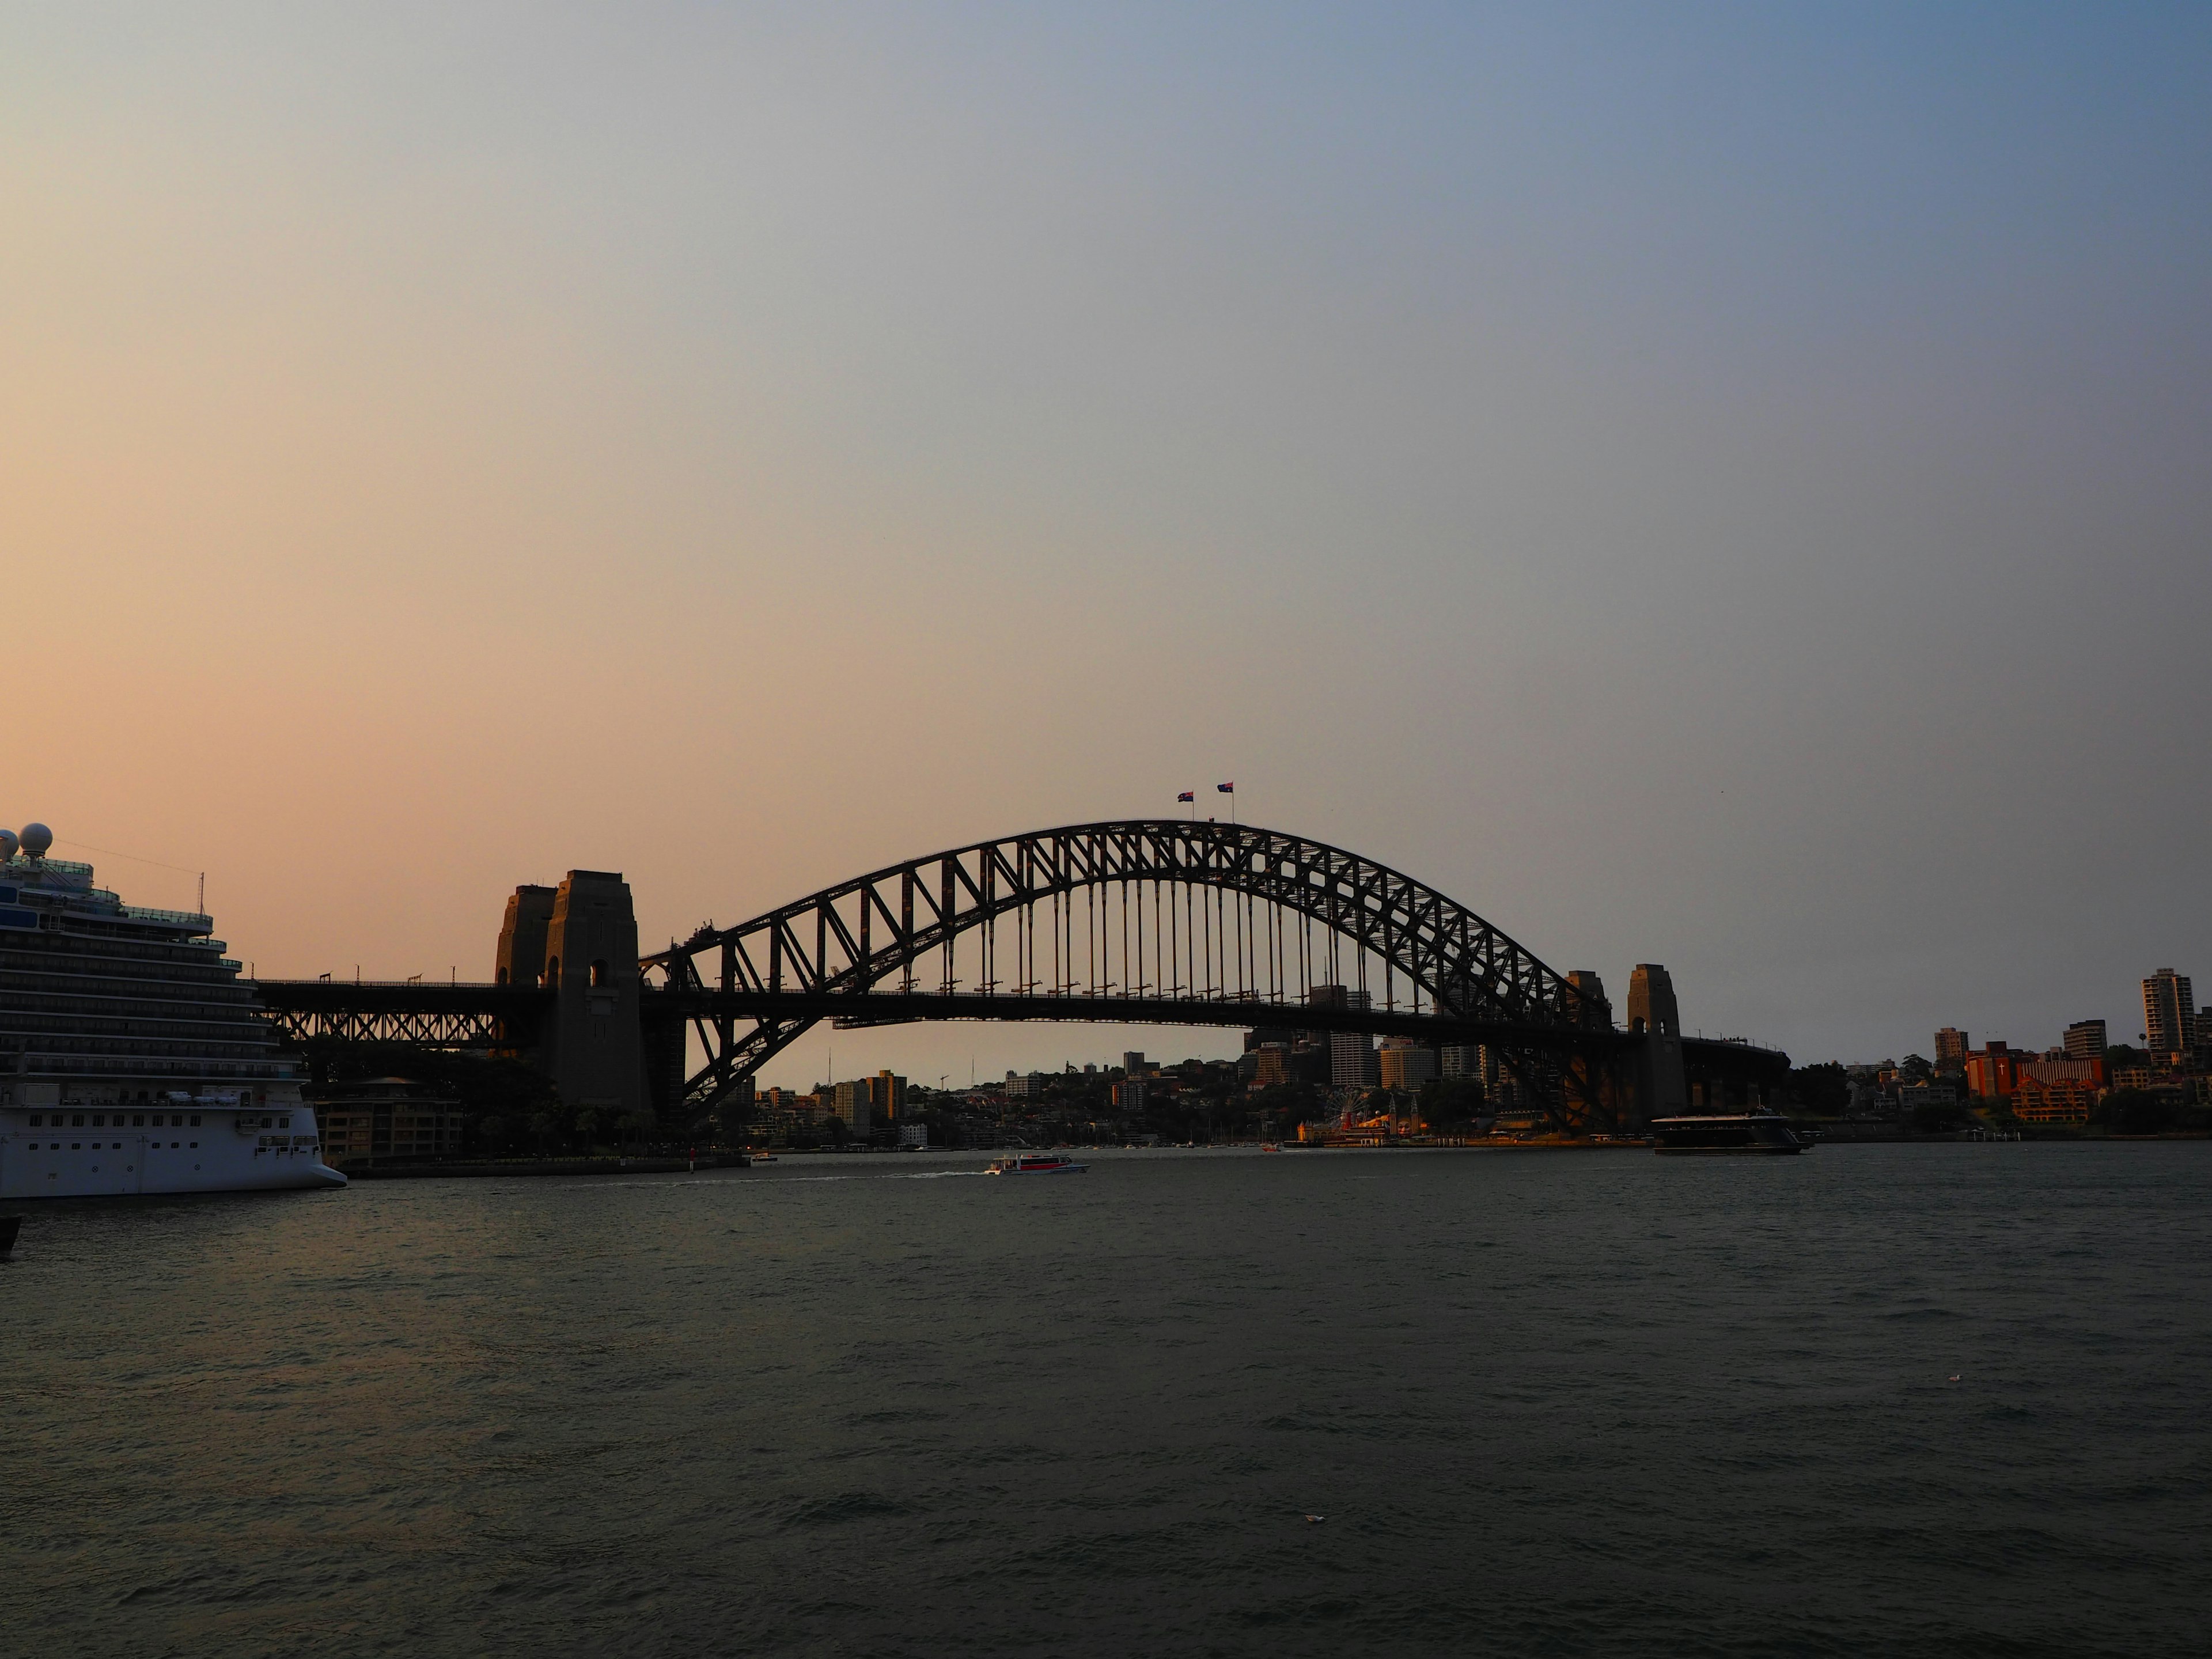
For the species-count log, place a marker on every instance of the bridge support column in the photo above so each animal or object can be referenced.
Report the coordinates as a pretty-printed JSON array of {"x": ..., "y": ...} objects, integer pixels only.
[
  {"x": 594, "y": 1048},
  {"x": 1662, "y": 1089}
]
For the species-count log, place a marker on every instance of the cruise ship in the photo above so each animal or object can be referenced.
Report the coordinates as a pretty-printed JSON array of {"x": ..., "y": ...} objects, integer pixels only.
[{"x": 133, "y": 1058}]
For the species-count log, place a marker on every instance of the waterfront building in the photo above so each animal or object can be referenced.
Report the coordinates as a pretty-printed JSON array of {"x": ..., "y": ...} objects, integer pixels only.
[
  {"x": 1913, "y": 1095},
  {"x": 2057, "y": 1090},
  {"x": 2169, "y": 1014},
  {"x": 1950, "y": 1049},
  {"x": 383, "y": 1119}
]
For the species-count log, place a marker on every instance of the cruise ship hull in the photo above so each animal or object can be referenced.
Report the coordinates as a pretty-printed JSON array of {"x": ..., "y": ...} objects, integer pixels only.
[
  {"x": 134, "y": 1059},
  {"x": 217, "y": 1158}
]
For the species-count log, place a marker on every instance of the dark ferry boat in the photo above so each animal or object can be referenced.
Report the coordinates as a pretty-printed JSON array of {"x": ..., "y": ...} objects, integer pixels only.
[{"x": 1737, "y": 1131}]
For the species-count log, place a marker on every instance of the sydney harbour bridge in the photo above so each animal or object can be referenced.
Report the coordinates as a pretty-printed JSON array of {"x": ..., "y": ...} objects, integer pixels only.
[{"x": 1162, "y": 921}]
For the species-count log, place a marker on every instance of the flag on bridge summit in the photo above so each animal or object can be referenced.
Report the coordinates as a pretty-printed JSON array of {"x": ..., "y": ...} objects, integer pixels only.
[
  {"x": 1187, "y": 794},
  {"x": 1226, "y": 788}
]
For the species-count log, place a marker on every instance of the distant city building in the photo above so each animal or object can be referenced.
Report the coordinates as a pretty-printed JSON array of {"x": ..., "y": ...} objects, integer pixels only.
[
  {"x": 1461, "y": 1060},
  {"x": 2085, "y": 1040},
  {"x": 1403, "y": 1066},
  {"x": 1990, "y": 1074},
  {"x": 887, "y": 1095},
  {"x": 1350, "y": 1054},
  {"x": 2169, "y": 1013},
  {"x": 913, "y": 1136},
  {"x": 1950, "y": 1049},
  {"x": 1028, "y": 1086},
  {"x": 1129, "y": 1094},
  {"x": 1272, "y": 1064},
  {"x": 1133, "y": 1062},
  {"x": 853, "y": 1104}
]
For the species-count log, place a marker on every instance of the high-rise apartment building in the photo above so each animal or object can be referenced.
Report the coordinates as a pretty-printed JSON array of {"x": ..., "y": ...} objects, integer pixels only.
[
  {"x": 887, "y": 1095},
  {"x": 2169, "y": 1013},
  {"x": 1950, "y": 1049},
  {"x": 1404, "y": 1064},
  {"x": 1350, "y": 1054},
  {"x": 855, "y": 1102},
  {"x": 2085, "y": 1040}
]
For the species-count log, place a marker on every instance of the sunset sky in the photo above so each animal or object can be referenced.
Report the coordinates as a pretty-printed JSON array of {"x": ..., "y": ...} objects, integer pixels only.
[{"x": 1724, "y": 485}]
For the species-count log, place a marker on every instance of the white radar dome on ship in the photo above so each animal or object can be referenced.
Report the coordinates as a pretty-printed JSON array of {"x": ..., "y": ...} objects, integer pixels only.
[
  {"x": 37, "y": 839},
  {"x": 8, "y": 845}
]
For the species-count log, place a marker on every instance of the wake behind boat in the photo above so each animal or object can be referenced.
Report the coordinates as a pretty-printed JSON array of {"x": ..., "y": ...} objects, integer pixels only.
[
  {"x": 1036, "y": 1163},
  {"x": 137, "y": 1059},
  {"x": 1739, "y": 1131}
]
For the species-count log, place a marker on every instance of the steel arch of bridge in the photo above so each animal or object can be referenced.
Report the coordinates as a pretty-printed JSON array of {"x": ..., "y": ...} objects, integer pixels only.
[{"x": 828, "y": 953}]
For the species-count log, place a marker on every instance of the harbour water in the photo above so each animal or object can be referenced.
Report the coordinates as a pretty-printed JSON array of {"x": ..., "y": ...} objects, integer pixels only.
[{"x": 1943, "y": 1399}]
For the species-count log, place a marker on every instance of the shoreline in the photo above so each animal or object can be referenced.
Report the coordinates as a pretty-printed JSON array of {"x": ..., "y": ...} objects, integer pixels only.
[{"x": 484, "y": 1169}]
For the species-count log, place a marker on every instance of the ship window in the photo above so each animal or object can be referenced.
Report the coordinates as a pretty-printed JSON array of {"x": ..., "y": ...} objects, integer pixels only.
[
  {"x": 284, "y": 1122},
  {"x": 178, "y": 1121},
  {"x": 196, "y": 1146},
  {"x": 37, "y": 1118},
  {"x": 196, "y": 1124},
  {"x": 138, "y": 1120},
  {"x": 77, "y": 1120},
  {"x": 99, "y": 1118}
]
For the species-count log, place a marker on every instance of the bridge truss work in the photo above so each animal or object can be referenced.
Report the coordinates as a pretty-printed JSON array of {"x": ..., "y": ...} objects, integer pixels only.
[
  {"x": 1162, "y": 921},
  {"x": 432, "y": 1016}
]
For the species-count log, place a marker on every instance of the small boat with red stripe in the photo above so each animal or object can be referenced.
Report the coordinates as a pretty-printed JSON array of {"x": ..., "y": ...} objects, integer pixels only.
[{"x": 1036, "y": 1163}]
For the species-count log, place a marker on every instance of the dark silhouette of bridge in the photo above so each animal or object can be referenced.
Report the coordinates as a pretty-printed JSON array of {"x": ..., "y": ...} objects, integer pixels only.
[{"x": 1149, "y": 921}]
